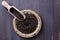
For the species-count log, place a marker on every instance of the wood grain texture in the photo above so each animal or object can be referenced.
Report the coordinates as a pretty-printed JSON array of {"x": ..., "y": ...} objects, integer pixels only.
[
  {"x": 57, "y": 19},
  {"x": 42, "y": 7}
]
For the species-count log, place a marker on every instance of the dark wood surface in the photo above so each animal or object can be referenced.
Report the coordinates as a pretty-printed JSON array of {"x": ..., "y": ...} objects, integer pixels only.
[
  {"x": 45, "y": 8},
  {"x": 57, "y": 19}
]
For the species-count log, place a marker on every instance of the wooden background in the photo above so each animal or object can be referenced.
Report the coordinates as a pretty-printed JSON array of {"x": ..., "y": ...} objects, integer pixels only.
[{"x": 49, "y": 11}]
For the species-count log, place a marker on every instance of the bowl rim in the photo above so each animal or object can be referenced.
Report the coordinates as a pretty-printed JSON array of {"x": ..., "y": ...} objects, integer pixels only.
[{"x": 30, "y": 34}]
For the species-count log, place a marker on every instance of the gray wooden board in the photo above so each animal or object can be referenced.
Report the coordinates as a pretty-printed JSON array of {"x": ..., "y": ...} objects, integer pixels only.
[
  {"x": 44, "y": 8},
  {"x": 57, "y": 19}
]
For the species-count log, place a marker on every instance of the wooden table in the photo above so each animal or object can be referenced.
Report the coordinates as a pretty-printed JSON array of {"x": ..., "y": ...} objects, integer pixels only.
[{"x": 43, "y": 7}]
